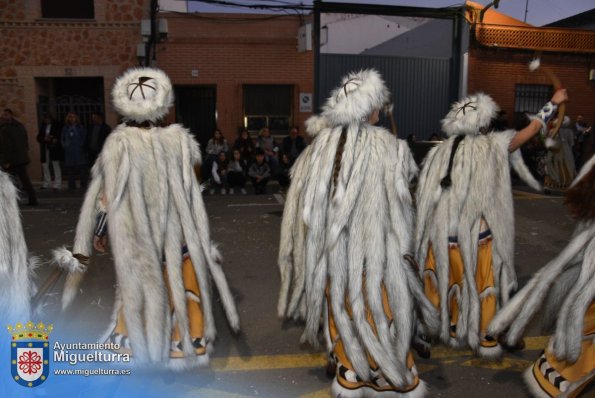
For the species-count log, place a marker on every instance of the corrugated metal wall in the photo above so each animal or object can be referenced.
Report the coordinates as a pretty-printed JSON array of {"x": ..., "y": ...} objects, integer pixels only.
[{"x": 419, "y": 87}]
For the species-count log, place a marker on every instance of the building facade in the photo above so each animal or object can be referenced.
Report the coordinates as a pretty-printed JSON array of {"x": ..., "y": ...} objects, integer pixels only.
[
  {"x": 229, "y": 71},
  {"x": 61, "y": 56},
  {"x": 500, "y": 50},
  {"x": 237, "y": 70}
]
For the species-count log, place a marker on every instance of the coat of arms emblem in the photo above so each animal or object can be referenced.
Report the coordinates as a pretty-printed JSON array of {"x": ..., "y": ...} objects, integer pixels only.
[{"x": 30, "y": 353}]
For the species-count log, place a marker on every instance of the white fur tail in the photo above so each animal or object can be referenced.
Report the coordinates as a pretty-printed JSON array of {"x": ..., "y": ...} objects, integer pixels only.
[
  {"x": 66, "y": 260},
  {"x": 226, "y": 297}
]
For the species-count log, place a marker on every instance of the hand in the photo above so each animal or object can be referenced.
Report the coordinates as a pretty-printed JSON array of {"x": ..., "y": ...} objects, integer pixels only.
[
  {"x": 100, "y": 243},
  {"x": 560, "y": 96}
]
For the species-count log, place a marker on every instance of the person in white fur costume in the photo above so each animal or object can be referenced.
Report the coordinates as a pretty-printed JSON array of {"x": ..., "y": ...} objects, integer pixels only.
[
  {"x": 145, "y": 198},
  {"x": 15, "y": 268},
  {"x": 465, "y": 219},
  {"x": 565, "y": 289},
  {"x": 345, "y": 235}
]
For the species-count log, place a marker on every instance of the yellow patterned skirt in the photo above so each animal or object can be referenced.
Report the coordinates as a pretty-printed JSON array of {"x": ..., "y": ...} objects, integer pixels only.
[
  {"x": 549, "y": 377},
  {"x": 345, "y": 374},
  {"x": 484, "y": 280},
  {"x": 196, "y": 328}
]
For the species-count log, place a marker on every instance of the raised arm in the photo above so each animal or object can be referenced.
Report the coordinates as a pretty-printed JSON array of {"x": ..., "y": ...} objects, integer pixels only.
[{"x": 546, "y": 113}]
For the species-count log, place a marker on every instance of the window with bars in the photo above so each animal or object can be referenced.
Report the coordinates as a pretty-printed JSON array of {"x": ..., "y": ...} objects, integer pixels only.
[
  {"x": 268, "y": 105},
  {"x": 71, "y": 9},
  {"x": 528, "y": 99}
]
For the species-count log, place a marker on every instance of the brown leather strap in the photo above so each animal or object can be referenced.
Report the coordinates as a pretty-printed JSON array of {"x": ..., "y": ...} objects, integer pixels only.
[{"x": 81, "y": 258}]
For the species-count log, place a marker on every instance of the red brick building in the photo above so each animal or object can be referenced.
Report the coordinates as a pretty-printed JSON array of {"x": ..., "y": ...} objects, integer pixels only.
[
  {"x": 228, "y": 70},
  {"x": 61, "y": 55},
  {"x": 501, "y": 49},
  {"x": 232, "y": 70},
  {"x": 248, "y": 64}
]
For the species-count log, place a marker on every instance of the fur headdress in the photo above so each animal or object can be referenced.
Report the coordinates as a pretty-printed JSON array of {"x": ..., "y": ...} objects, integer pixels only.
[
  {"x": 142, "y": 94},
  {"x": 359, "y": 94},
  {"x": 470, "y": 115}
]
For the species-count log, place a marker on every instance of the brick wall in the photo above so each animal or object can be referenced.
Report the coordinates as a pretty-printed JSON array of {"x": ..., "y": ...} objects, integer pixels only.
[
  {"x": 232, "y": 50},
  {"x": 496, "y": 71},
  {"x": 33, "y": 47}
]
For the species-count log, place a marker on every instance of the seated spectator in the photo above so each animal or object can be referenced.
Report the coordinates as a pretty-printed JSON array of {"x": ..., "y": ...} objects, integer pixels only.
[
  {"x": 282, "y": 173},
  {"x": 268, "y": 145},
  {"x": 216, "y": 145},
  {"x": 293, "y": 144},
  {"x": 219, "y": 173},
  {"x": 259, "y": 173},
  {"x": 236, "y": 172},
  {"x": 245, "y": 145}
]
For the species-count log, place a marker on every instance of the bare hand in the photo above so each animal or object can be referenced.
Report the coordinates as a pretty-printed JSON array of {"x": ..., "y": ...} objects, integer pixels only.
[
  {"x": 100, "y": 243},
  {"x": 560, "y": 96}
]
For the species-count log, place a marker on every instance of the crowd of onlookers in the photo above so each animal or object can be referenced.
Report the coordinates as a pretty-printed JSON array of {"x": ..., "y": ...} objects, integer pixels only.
[
  {"x": 68, "y": 148},
  {"x": 576, "y": 137},
  {"x": 228, "y": 169}
]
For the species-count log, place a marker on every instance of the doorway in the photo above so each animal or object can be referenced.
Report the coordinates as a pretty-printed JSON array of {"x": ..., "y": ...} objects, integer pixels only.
[{"x": 196, "y": 110}]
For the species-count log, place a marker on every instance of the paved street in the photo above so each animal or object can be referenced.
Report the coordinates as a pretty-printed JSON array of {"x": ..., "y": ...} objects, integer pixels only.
[{"x": 266, "y": 359}]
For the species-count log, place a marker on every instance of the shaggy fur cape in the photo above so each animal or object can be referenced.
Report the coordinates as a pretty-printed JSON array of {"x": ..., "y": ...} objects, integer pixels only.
[
  {"x": 15, "y": 283},
  {"x": 480, "y": 187},
  {"x": 364, "y": 229},
  {"x": 568, "y": 284},
  {"x": 154, "y": 207}
]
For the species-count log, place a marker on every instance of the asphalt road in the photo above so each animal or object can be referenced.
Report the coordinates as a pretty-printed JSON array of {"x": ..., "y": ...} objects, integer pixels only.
[{"x": 266, "y": 359}]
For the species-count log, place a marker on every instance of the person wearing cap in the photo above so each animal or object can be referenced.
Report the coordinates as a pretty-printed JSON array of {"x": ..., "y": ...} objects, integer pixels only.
[
  {"x": 565, "y": 289},
  {"x": 346, "y": 244},
  {"x": 145, "y": 199},
  {"x": 465, "y": 220}
]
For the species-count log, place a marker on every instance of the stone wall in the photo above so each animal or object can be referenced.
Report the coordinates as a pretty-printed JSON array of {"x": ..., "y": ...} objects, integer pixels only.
[{"x": 33, "y": 47}]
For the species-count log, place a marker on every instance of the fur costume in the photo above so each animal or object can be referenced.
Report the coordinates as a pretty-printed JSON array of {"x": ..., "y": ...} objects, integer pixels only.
[
  {"x": 15, "y": 268},
  {"x": 154, "y": 207},
  {"x": 462, "y": 191},
  {"x": 346, "y": 227},
  {"x": 559, "y": 163},
  {"x": 567, "y": 287}
]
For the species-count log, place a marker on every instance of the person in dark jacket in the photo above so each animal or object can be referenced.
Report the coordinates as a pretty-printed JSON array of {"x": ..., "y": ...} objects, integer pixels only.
[
  {"x": 50, "y": 151},
  {"x": 14, "y": 152},
  {"x": 259, "y": 173},
  {"x": 293, "y": 144},
  {"x": 73, "y": 140},
  {"x": 97, "y": 134},
  {"x": 283, "y": 172},
  {"x": 245, "y": 145}
]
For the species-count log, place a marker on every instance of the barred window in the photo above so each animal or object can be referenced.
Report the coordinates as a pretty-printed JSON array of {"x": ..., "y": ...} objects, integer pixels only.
[
  {"x": 268, "y": 105},
  {"x": 74, "y": 9},
  {"x": 528, "y": 99}
]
